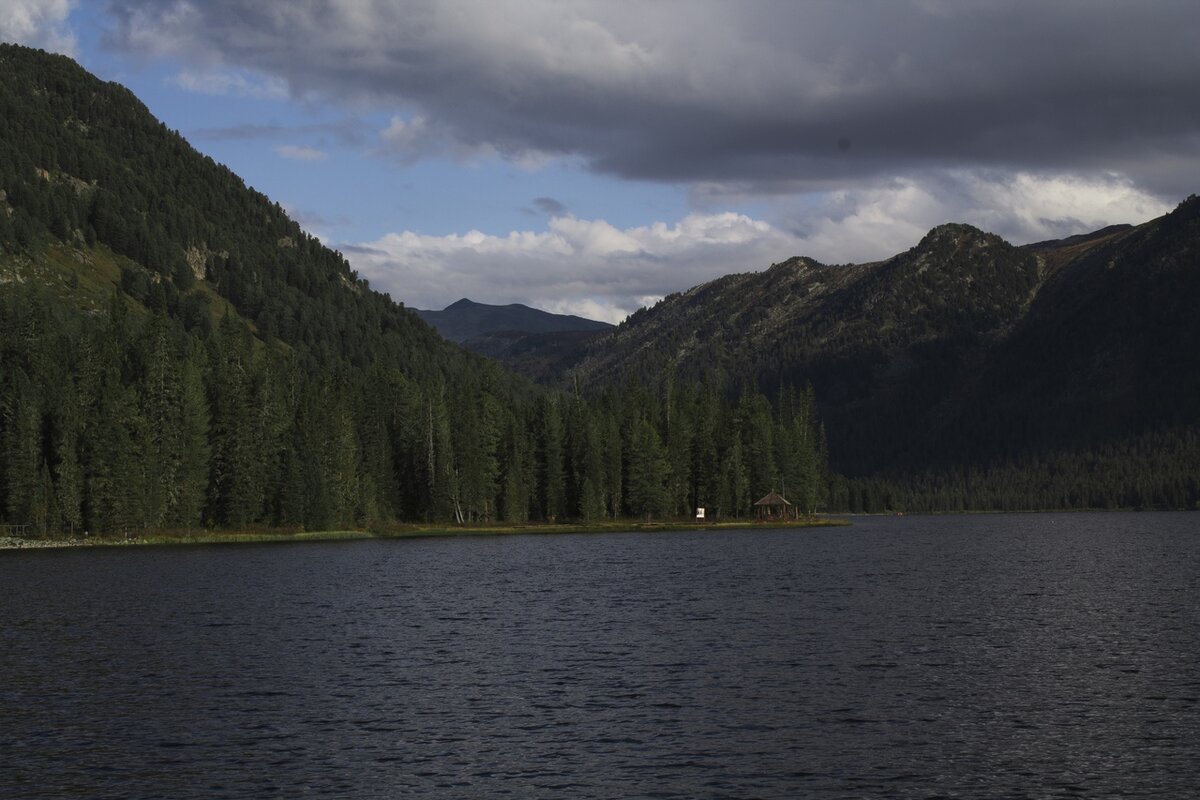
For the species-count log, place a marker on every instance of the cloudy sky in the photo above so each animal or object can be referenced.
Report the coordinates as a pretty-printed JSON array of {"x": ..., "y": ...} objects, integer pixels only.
[{"x": 590, "y": 156}]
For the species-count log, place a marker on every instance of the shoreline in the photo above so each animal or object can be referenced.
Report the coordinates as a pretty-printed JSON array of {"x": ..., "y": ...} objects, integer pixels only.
[{"x": 408, "y": 531}]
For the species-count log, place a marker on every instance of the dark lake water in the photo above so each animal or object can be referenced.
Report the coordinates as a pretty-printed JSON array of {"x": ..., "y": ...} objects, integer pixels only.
[{"x": 990, "y": 656}]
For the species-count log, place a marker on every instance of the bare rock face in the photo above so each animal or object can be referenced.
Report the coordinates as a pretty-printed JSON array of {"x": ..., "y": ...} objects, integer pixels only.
[{"x": 195, "y": 260}]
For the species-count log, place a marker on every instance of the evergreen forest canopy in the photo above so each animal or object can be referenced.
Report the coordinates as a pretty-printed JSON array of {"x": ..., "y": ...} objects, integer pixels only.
[{"x": 176, "y": 352}]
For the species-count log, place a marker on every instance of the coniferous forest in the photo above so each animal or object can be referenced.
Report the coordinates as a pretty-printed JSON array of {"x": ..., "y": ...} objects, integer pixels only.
[{"x": 176, "y": 353}]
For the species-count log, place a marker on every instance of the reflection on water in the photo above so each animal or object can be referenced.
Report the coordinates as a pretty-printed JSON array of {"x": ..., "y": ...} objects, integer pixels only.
[{"x": 1025, "y": 655}]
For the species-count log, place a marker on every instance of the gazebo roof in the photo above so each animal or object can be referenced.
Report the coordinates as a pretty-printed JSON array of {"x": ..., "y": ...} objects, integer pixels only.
[{"x": 773, "y": 499}]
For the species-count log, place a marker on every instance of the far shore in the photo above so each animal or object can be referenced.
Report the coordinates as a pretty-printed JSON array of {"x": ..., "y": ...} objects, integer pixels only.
[{"x": 407, "y": 531}]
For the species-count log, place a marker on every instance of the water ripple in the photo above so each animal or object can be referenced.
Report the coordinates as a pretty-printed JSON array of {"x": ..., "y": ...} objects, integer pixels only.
[{"x": 1006, "y": 656}]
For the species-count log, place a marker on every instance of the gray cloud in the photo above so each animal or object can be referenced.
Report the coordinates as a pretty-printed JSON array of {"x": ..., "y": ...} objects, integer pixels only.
[
  {"x": 771, "y": 97},
  {"x": 38, "y": 23},
  {"x": 348, "y": 132},
  {"x": 550, "y": 206},
  {"x": 240, "y": 133}
]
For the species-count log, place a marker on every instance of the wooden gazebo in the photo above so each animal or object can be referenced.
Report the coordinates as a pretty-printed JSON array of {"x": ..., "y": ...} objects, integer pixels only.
[{"x": 775, "y": 506}]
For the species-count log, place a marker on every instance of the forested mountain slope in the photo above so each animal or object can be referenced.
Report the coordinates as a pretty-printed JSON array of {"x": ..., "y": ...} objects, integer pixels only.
[
  {"x": 881, "y": 341},
  {"x": 175, "y": 351},
  {"x": 965, "y": 355},
  {"x": 1109, "y": 347}
]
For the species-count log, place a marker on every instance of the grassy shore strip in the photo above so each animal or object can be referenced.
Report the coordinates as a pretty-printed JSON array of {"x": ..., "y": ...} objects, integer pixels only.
[{"x": 406, "y": 531}]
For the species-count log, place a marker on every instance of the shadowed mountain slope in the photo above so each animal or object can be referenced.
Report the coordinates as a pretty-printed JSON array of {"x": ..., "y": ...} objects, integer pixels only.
[
  {"x": 964, "y": 350},
  {"x": 466, "y": 320}
]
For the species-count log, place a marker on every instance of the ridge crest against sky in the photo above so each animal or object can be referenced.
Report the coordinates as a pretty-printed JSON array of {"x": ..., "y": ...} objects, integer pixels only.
[{"x": 590, "y": 157}]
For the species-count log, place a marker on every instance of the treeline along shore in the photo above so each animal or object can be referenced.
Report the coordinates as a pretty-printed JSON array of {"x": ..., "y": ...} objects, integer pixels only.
[{"x": 408, "y": 531}]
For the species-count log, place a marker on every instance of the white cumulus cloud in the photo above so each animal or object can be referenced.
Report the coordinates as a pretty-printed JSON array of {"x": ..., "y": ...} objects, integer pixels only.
[
  {"x": 38, "y": 23},
  {"x": 586, "y": 267},
  {"x": 594, "y": 269},
  {"x": 880, "y": 220}
]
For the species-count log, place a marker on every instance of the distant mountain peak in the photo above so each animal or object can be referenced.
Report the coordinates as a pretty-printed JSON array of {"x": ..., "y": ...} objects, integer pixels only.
[
  {"x": 466, "y": 319},
  {"x": 956, "y": 233},
  {"x": 796, "y": 264},
  {"x": 1188, "y": 209}
]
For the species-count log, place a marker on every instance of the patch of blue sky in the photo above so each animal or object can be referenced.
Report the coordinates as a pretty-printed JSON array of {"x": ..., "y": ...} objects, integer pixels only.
[{"x": 329, "y": 165}]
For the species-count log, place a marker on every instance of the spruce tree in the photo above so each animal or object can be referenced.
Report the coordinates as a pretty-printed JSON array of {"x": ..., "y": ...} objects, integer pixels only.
[
  {"x": 649, "y": 471},
  {"x": 551, "y": 478}
]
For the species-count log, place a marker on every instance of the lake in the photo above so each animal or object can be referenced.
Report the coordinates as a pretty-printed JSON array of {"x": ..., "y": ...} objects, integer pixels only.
[{"x": 1053, "y": 655}]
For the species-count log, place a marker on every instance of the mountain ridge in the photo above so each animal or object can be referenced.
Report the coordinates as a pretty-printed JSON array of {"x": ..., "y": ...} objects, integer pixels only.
[
  {"x": 527, "y": 340},
  {"x": 910, "y": 354},
  {"x": 466, "y": 319}
]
